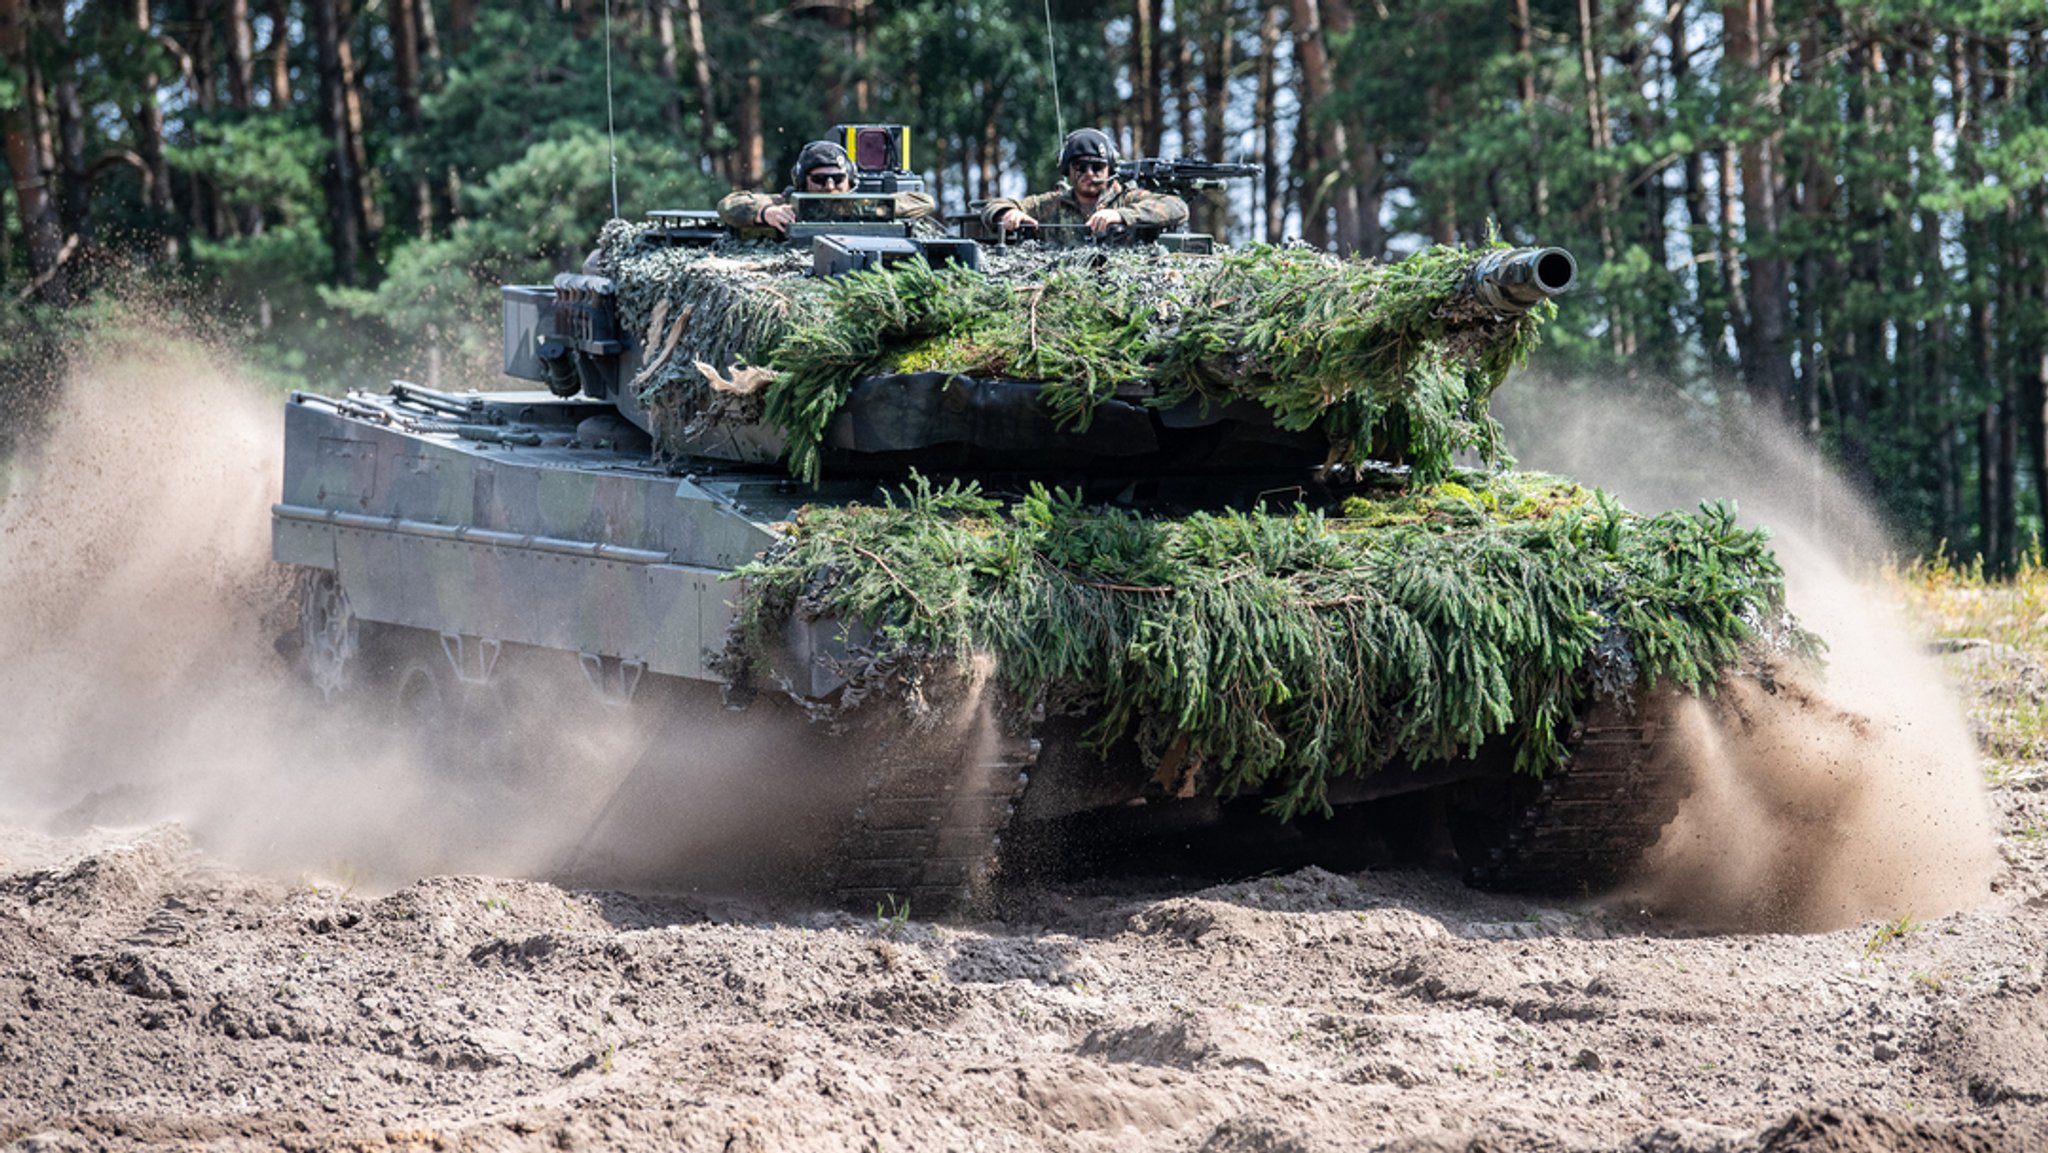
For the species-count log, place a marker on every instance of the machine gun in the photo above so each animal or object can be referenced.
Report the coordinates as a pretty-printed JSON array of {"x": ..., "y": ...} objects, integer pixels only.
[{"x": 1157, "y": 174}]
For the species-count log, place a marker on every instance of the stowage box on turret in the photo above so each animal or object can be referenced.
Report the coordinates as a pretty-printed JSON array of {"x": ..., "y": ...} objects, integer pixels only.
[{"x": 1221, "y": 545}]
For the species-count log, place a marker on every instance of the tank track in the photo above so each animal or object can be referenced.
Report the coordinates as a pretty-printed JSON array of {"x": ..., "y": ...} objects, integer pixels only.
[
  {"x": 928, "y": 833},
  {"x": 1584, "y": 827}
]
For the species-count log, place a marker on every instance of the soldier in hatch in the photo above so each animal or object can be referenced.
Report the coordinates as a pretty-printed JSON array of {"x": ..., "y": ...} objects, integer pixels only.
[
  {"x": 822, "y": 166},
  {"x": 1089, "y": 194}
]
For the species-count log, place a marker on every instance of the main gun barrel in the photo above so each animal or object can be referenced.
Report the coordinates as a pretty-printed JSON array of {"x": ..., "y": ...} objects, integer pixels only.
[{"x": 1518, "y": 279}]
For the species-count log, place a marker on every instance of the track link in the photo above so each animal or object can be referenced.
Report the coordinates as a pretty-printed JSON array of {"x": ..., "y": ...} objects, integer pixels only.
[
  {"x": 928, "y": 833},
  {"x": 1585, "y": 826}
]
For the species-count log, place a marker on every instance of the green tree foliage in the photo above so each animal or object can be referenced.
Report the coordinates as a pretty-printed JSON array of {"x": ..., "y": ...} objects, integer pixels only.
[
  {"x": 265, "y": 169},
  {"x": 1837, "y": 215},
  {"x": 522, "y": 225}
]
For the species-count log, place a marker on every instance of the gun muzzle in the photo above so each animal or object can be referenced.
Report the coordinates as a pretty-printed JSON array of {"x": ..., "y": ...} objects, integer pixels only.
[{"x": 1518, "y": 279}]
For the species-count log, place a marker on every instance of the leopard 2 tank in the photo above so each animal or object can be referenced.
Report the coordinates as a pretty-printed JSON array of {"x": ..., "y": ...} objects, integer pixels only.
[{"x": 1036, "y": 556}]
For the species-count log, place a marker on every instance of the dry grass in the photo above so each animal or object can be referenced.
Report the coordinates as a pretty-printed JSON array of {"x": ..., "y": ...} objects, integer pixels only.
[{"x": 1993, "y": 637}]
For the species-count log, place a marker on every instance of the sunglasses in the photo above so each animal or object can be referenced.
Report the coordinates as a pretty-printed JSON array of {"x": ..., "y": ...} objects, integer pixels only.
[
  {"x": 826, "y": 180},
  {"x": 1092, "y": 167}
]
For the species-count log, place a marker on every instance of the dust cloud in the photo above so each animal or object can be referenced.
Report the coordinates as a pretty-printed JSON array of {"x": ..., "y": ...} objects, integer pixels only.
[
  {"x": 140, "y": 615},
  {"x": 1837, "y": 799}
]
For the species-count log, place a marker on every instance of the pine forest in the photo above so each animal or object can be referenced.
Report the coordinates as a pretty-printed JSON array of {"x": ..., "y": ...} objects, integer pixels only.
[{"x": 1832, "y": 214}]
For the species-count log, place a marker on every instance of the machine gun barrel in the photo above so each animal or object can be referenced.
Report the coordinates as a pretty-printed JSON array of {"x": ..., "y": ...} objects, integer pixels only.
[
  {"x": 1518, "y": 279},
  {"x": 1159, "y": 174}
]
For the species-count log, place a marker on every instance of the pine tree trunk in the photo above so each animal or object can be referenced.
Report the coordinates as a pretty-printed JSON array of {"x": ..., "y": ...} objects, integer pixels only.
[
  {"x": 992, "y": 142},
  {"x": 75, "y": 199},
  {"x": 1766, "y": 359},
  {"x": 1217, "y": 60},
  {"x": 203, "y": 198},
  {"x": 1332, "y": 145},
  {"x": 1269, "y": 124},
  {"x": 666, "y": 65},
  {"x": 700, "y": 72},
  {"x": 149, "y": 143},
  {"x": 359, "y": 140},
  {"x": 2033, "y": 356},
  {"x": 1218, "y": 43},
  {"x": 198, "y": 59},
  {"x": 2011, "y": 279},
  {"x": 1599, "y": 141},
  {"x": 1941, "y": 384},
  {"x": 1361, "y": 155},
  {"x": 404, "y": 23},
  {"x": 1728, "y": 248},
  {"x": 241, "y": 57},
  {"x": 863, "y": 20},
  {"x": 1307, "y": 161},
  {"x": 1183, "y": 88},
  {"x": 752, "y": 165},
  {"x": 432, "y": 70},
  {"x": 1824, "y": 350},
  {"x": 2036, "y": 357},
  {"x": 1148, "y": 67},
  {"x": 405, "y": 59},
  {"x": 1989, "y": 546},
  {"x": 1863, "y": 368},
  {"x": 1525, "y": 93},
  {"x": 341, "y": 178},
  {"x": 279, "y": 51},
  {"x": 1705, "y": 304},
  {"x": 1645, "y": 190},
  {"x": 42, "y": 235}
]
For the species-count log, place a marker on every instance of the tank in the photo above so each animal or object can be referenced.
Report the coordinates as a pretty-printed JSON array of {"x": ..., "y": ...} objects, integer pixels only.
[{"x": 1031, "y": 558}]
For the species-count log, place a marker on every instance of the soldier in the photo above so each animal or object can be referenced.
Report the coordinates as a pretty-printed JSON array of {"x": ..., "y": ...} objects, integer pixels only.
[
  {"x": 1089, "y": 193},
  {"x": 822, "y": 166}
]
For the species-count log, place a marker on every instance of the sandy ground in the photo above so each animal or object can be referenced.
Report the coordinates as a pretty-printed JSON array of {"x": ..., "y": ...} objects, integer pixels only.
[
  {"x": 149, "y": 995},
  {"x": 222, "y": 928}
]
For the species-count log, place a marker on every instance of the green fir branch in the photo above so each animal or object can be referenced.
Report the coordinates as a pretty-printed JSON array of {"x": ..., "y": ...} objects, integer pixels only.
[{"x": 1289, "y": 649}]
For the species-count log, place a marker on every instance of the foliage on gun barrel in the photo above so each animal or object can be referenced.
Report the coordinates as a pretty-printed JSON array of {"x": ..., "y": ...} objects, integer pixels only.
[
  {"x": 1289, "y": 648},
  {"x": 1394, "y": 362}
]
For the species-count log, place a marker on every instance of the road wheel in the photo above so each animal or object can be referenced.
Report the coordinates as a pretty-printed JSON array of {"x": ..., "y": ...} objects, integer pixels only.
[{"x": 329, "y": 635}]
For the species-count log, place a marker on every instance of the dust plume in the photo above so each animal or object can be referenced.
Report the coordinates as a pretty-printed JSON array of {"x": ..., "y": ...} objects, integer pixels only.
[
  {"x": 140, "y": 614},
  {"x": 1832, "y": 800}
]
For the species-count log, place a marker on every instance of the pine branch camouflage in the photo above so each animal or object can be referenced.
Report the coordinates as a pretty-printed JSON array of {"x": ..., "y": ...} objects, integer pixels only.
[
  {"x": 1394, "y": 362},
  {"x": 1288, "y": 649}
]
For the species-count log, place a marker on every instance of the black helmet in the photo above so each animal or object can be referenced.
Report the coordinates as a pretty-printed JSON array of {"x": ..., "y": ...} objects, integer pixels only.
[
  {"x": 819, "y": 154},
  {"x": 1087, "y": 144}
]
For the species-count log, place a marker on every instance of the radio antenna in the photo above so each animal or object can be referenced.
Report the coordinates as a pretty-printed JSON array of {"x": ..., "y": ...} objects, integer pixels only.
[
  {"x": 1059, "y": 118},
  {"x": 611, "y": 131}
]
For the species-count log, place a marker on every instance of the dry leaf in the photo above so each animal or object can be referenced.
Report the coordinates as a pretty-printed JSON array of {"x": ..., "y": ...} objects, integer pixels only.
[{"x": 744, "y": 382}]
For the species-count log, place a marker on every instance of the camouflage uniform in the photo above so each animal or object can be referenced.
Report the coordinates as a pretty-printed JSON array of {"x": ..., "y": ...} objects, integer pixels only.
[
  {"x": 744, "y": 209},
  {"x": 1138, "y": 207}
]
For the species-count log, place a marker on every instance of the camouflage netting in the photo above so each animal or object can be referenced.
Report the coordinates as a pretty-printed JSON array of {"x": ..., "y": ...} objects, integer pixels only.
[
  {"x": 1287, "y": 649},
  {"x": 1395, "y": 362}
]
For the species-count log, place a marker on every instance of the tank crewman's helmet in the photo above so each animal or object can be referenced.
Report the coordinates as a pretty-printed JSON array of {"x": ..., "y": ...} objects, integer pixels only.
[
  {"x": 1087, "y": 144},
  {"x": 817, "y": 155}
]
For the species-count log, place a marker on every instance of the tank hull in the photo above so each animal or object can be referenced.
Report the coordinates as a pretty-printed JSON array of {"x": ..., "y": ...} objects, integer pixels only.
[
  {"x": 584, "y": 550},
  {"x": 452, "y": 544}
]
